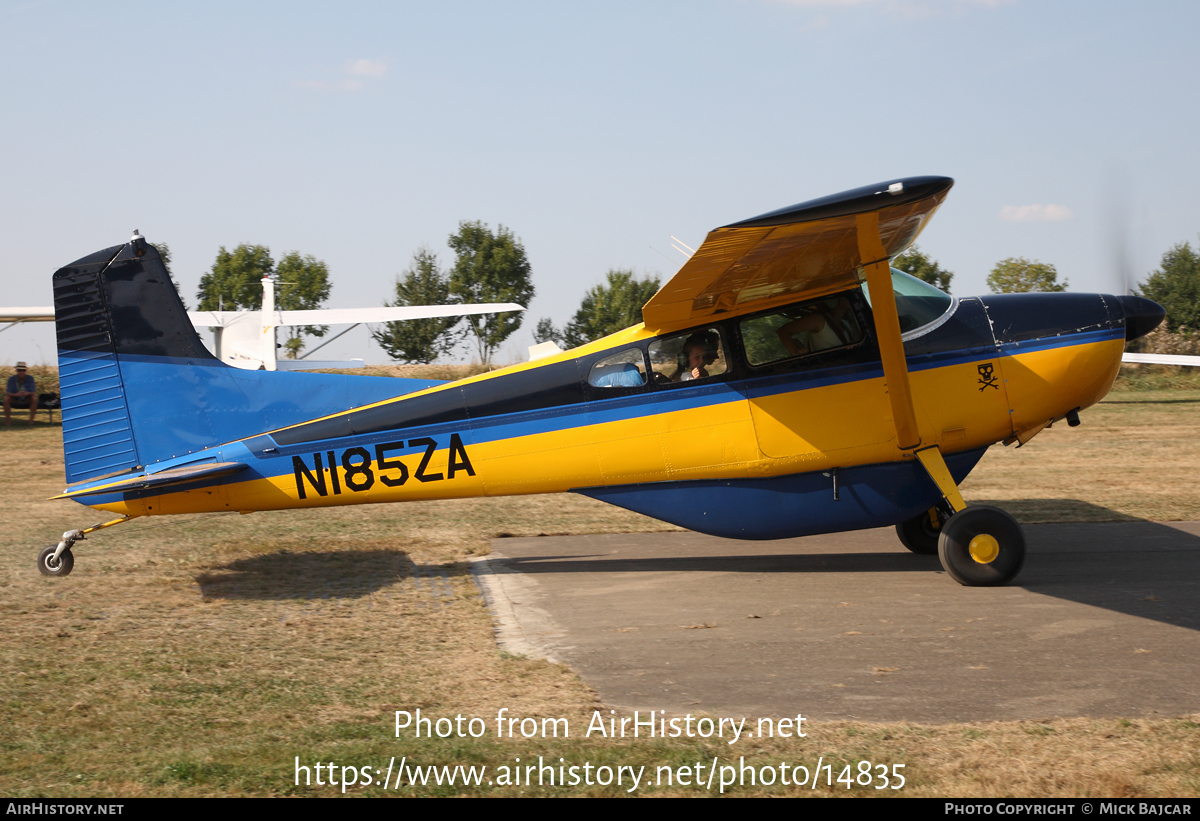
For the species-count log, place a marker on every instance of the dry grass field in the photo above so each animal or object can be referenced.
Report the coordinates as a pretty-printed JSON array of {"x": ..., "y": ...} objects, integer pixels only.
[{"x": 201, "y": 658}]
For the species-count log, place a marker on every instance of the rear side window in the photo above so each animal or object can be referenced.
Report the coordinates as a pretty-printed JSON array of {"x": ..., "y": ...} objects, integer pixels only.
[{"x": 626, "y": 369}]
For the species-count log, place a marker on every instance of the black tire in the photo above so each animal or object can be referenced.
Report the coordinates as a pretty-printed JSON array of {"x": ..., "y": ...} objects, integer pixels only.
[
  {"x": 998, "y": 554},
  {"x": 60, "y": 567},
  {"x": 919, "y": 535}
]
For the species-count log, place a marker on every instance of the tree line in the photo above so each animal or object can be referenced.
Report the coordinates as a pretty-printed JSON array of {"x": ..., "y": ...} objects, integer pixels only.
[
  {"x": 489, "y": 266},
  {"x": 1015, "y": 275},
  {"x": 617, "y": 303},
  {"x": 1175, "y": 284},
  {"x": 492, "y": 266}
]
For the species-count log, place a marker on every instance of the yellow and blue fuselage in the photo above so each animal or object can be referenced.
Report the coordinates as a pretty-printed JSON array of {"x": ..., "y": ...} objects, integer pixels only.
[{"x": 801, "y": 447}]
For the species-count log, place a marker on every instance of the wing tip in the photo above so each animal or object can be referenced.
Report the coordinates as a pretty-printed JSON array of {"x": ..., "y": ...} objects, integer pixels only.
[{"x": 855, "y": 201}]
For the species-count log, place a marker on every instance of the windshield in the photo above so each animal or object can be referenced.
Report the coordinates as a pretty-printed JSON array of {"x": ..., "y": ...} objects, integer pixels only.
[{"x": 917, "y": 302}]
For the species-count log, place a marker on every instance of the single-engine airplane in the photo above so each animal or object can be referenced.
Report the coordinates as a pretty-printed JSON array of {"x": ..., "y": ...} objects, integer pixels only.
[{"x": 784, "y": 382}]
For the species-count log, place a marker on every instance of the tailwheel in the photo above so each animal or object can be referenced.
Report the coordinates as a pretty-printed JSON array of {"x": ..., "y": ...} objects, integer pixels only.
[
  {"x": 982, "y": 546},
  {"x": 48, "y": 565},
  {"x": 61, "y": 565},
  {"x": 920, "y": 533}
]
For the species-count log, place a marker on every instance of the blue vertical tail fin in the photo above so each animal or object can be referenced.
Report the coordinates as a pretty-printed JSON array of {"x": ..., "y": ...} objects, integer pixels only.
[{"x": 138, "y": 386}]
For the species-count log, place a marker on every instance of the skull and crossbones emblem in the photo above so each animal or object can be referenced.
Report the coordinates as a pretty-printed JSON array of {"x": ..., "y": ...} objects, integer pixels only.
[{"x": 987, "y": 376}]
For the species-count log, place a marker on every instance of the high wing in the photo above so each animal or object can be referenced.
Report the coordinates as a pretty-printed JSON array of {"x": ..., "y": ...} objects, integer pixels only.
[
  {"x": 807, "y": 250},
  {"x": 324, "y": 316},
  {"x": 351, "y": 316},
  {"x": 14, "y": 316},
  {"x": 337, "y": 316},
  {"x": 795, "y": 253},
  {"x": 246, "y": 339}
]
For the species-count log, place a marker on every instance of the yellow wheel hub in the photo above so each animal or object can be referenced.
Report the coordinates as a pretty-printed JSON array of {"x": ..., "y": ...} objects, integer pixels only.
[{"x": 984, "y": 548}]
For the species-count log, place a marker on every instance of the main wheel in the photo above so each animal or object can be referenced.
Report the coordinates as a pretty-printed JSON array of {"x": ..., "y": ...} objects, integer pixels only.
[
  {"x": 50, "y": 566},
  {"x": 982, "y": 546},
  {"x": 919, "y": 534}
]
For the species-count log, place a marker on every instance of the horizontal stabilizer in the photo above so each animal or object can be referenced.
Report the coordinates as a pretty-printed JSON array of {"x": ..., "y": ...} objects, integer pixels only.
[{"x": 172, "y": 476}]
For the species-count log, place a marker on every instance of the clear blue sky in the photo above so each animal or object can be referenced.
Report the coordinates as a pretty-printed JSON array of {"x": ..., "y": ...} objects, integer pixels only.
[{"x": 357, "y": 132}]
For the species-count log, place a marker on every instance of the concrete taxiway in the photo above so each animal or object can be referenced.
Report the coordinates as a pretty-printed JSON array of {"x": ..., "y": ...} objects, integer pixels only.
[{"x": 1103, "y": 620}]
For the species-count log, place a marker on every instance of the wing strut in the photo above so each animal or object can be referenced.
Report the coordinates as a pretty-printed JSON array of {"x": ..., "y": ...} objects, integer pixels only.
[{"x": 895, "y": 367}]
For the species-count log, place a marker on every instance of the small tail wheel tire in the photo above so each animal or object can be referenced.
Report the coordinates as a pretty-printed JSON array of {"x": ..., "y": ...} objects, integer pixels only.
[
  {"x": 982, "y": 546},
  {"x": 919, "y": 534},
  {"x": 50, "y": 566}
]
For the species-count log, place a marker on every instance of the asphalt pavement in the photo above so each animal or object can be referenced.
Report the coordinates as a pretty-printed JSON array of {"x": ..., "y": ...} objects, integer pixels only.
[{"x": 1102, "y": 621}]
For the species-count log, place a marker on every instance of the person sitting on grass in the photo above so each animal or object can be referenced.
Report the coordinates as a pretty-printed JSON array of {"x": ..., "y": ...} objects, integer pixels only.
[{"x": 21, "y": 393}]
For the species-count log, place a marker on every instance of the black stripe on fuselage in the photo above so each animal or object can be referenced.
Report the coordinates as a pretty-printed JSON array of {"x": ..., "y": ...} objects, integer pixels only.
[
  {"x": 550, "y": 386},
  {"x": 561, "y": 384}
]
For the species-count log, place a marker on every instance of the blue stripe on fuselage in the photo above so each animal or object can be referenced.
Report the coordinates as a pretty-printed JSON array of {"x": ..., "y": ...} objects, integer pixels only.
[{"x": 679, "y": 398}]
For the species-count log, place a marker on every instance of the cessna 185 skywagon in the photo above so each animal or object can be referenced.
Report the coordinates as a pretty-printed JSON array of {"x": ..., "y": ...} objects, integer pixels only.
[{"x": 784, "y": 382}]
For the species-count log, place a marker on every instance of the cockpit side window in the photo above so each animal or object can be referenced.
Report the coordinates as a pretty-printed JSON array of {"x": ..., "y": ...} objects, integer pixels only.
[
  {"x": 687, "y": 357},
  {"x": 801, "y": 330}
]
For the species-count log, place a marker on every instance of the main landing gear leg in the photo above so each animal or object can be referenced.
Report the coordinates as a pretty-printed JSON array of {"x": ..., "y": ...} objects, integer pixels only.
[
  {"x": 979, "y": 546},
  {"x": 57, "y": 560}
]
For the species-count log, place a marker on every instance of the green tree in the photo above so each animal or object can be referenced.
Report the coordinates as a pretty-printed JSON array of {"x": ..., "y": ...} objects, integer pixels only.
[
  {"x": 490, "y": 267},
  {"x": 915, "y": 262},
  {"x": 1017, "y": 275},
  {"x": 235, "y": 284},
  {"x": 419, "y": 340},
  {"x": 1176, "y": 287},
  {"x": 302, "y": 284},
  {"x": 610, "y": 307},
  {"x": 546, "y": 332},
  {"x": 235, "y": 281}
]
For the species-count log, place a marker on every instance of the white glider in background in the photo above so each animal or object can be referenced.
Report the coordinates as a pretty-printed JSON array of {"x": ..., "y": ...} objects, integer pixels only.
[
  {"x": 15, "y": 316},
  {"x": 246, "y": 339},
  {"x": 1160, "y": 359}
]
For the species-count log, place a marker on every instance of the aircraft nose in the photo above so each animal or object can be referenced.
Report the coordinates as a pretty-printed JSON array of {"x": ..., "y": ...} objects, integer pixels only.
[{"x": 1141, "y": 316}]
